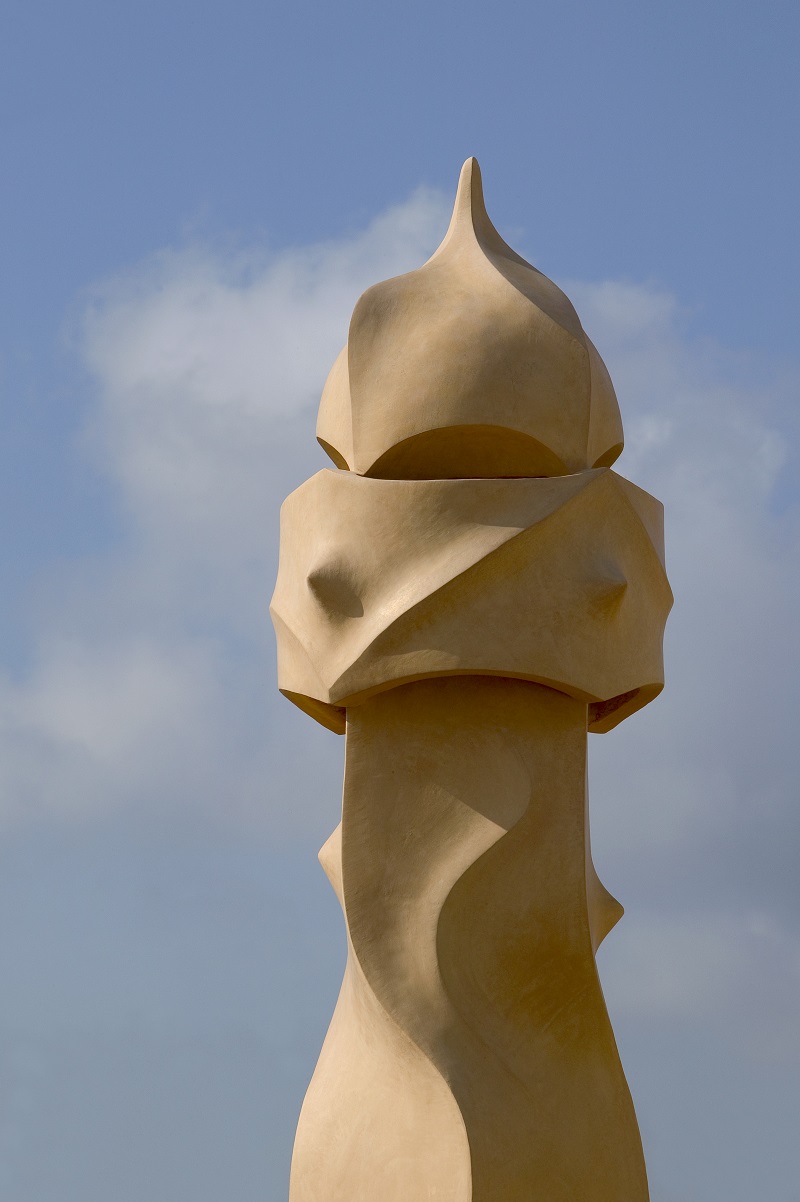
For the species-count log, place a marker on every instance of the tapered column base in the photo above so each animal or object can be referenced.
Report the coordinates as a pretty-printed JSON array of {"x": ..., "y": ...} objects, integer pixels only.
[{"x": 470, "y": 1057}]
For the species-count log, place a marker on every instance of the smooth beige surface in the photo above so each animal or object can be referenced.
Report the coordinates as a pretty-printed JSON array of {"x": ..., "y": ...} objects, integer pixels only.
[
  {"x": 470, "y": 593},
  {"x": 474, "y": 365},
  {"x": 470, "y": 1056},
  {"x": 557, "y": 581}
]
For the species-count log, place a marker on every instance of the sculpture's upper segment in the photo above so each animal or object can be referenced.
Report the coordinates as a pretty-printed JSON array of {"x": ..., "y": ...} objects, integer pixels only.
[
  {"x": 474, "y": 365},
  {"x": 560, "y": 582}
]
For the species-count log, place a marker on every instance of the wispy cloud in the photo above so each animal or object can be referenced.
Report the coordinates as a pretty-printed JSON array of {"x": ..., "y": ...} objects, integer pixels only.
[
  {"x": 152, "y": 678},
  {"x": 152, "y": 683},
  {"x": 695, "y": 799}
]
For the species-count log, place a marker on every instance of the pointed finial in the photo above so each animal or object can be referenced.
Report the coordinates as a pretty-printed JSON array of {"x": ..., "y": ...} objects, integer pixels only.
[
  {"x": 470, "y": 219},
  {"x": 469, "y": 194},
  {"x": 473, "y": 365}
]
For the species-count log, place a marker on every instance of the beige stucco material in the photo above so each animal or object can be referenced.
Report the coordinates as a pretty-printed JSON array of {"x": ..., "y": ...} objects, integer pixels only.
[
  {"x": 470, "y": 593},
  {"x": 557, "y": 581},
  {"x": 470, "y": 1056},
  {"x": 475, "y": 364}
]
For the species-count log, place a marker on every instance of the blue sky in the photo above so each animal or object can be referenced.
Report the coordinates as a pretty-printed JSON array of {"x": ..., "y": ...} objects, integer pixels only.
[{"x": 192, "y": 198}]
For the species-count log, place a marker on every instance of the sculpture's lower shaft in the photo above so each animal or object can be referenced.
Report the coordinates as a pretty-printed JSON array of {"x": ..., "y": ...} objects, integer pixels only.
[{"x": 470, "y": 1057}]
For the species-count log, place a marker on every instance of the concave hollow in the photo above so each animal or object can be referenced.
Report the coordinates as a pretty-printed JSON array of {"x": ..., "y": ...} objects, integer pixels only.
[{"x": 467, "y": 452}]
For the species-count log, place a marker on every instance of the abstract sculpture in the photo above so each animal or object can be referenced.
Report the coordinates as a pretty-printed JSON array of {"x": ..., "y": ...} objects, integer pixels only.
[{"x": 465, "y": 597}]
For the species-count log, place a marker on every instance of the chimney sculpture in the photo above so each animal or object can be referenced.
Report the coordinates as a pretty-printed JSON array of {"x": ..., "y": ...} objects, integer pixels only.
[{"x": 464, "y": 598}]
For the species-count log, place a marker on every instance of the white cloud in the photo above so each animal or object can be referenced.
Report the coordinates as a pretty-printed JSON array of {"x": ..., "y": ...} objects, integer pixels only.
[
  {"x": 153, "y": 683},
  {"x": 695, "y": 799},
  {"x": 199, "y": 356},
  {"x": 101, "y": 723},
  {"x": 714, "y": 750}
]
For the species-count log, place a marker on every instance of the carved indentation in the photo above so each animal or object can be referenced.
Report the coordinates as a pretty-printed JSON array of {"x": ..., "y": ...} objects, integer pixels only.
[{"x": 467, "y": 452}]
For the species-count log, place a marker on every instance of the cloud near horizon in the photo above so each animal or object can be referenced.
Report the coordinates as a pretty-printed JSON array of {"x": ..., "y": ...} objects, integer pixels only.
[{"x": 151, "y": 685}]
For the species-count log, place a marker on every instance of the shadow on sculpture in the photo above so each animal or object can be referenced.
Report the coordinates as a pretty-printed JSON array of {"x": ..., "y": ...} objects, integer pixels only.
[{"x": 465, "y": 597}]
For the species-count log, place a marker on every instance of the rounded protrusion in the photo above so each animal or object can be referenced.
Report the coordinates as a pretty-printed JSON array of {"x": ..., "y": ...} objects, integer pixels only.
[{"x": 335, "y": 590}]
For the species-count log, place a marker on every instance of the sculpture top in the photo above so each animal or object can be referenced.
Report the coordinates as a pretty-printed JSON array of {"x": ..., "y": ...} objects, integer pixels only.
[
  {"x": 474, "y": 365},
  {"x": 477, "y": 529}
]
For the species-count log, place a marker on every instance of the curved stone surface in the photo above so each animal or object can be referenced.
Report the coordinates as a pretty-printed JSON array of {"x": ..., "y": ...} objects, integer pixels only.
[
  {"x": 558, "y": 581},
  {"x": 464, "y": 598},
  {"x": 470, "y": 1058},
  {"x": 473, "y": 365}
]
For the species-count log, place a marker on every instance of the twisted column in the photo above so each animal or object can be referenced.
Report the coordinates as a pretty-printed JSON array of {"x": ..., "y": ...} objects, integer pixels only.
[{"x": 471, "y": 591}]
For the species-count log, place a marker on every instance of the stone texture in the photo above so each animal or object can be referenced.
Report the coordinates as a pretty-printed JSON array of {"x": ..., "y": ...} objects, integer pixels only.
[{"x": 471, "y": 592}]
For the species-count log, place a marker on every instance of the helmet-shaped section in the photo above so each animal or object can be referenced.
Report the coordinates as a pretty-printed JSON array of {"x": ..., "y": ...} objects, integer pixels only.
[{"x": 474, "y": 365}]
